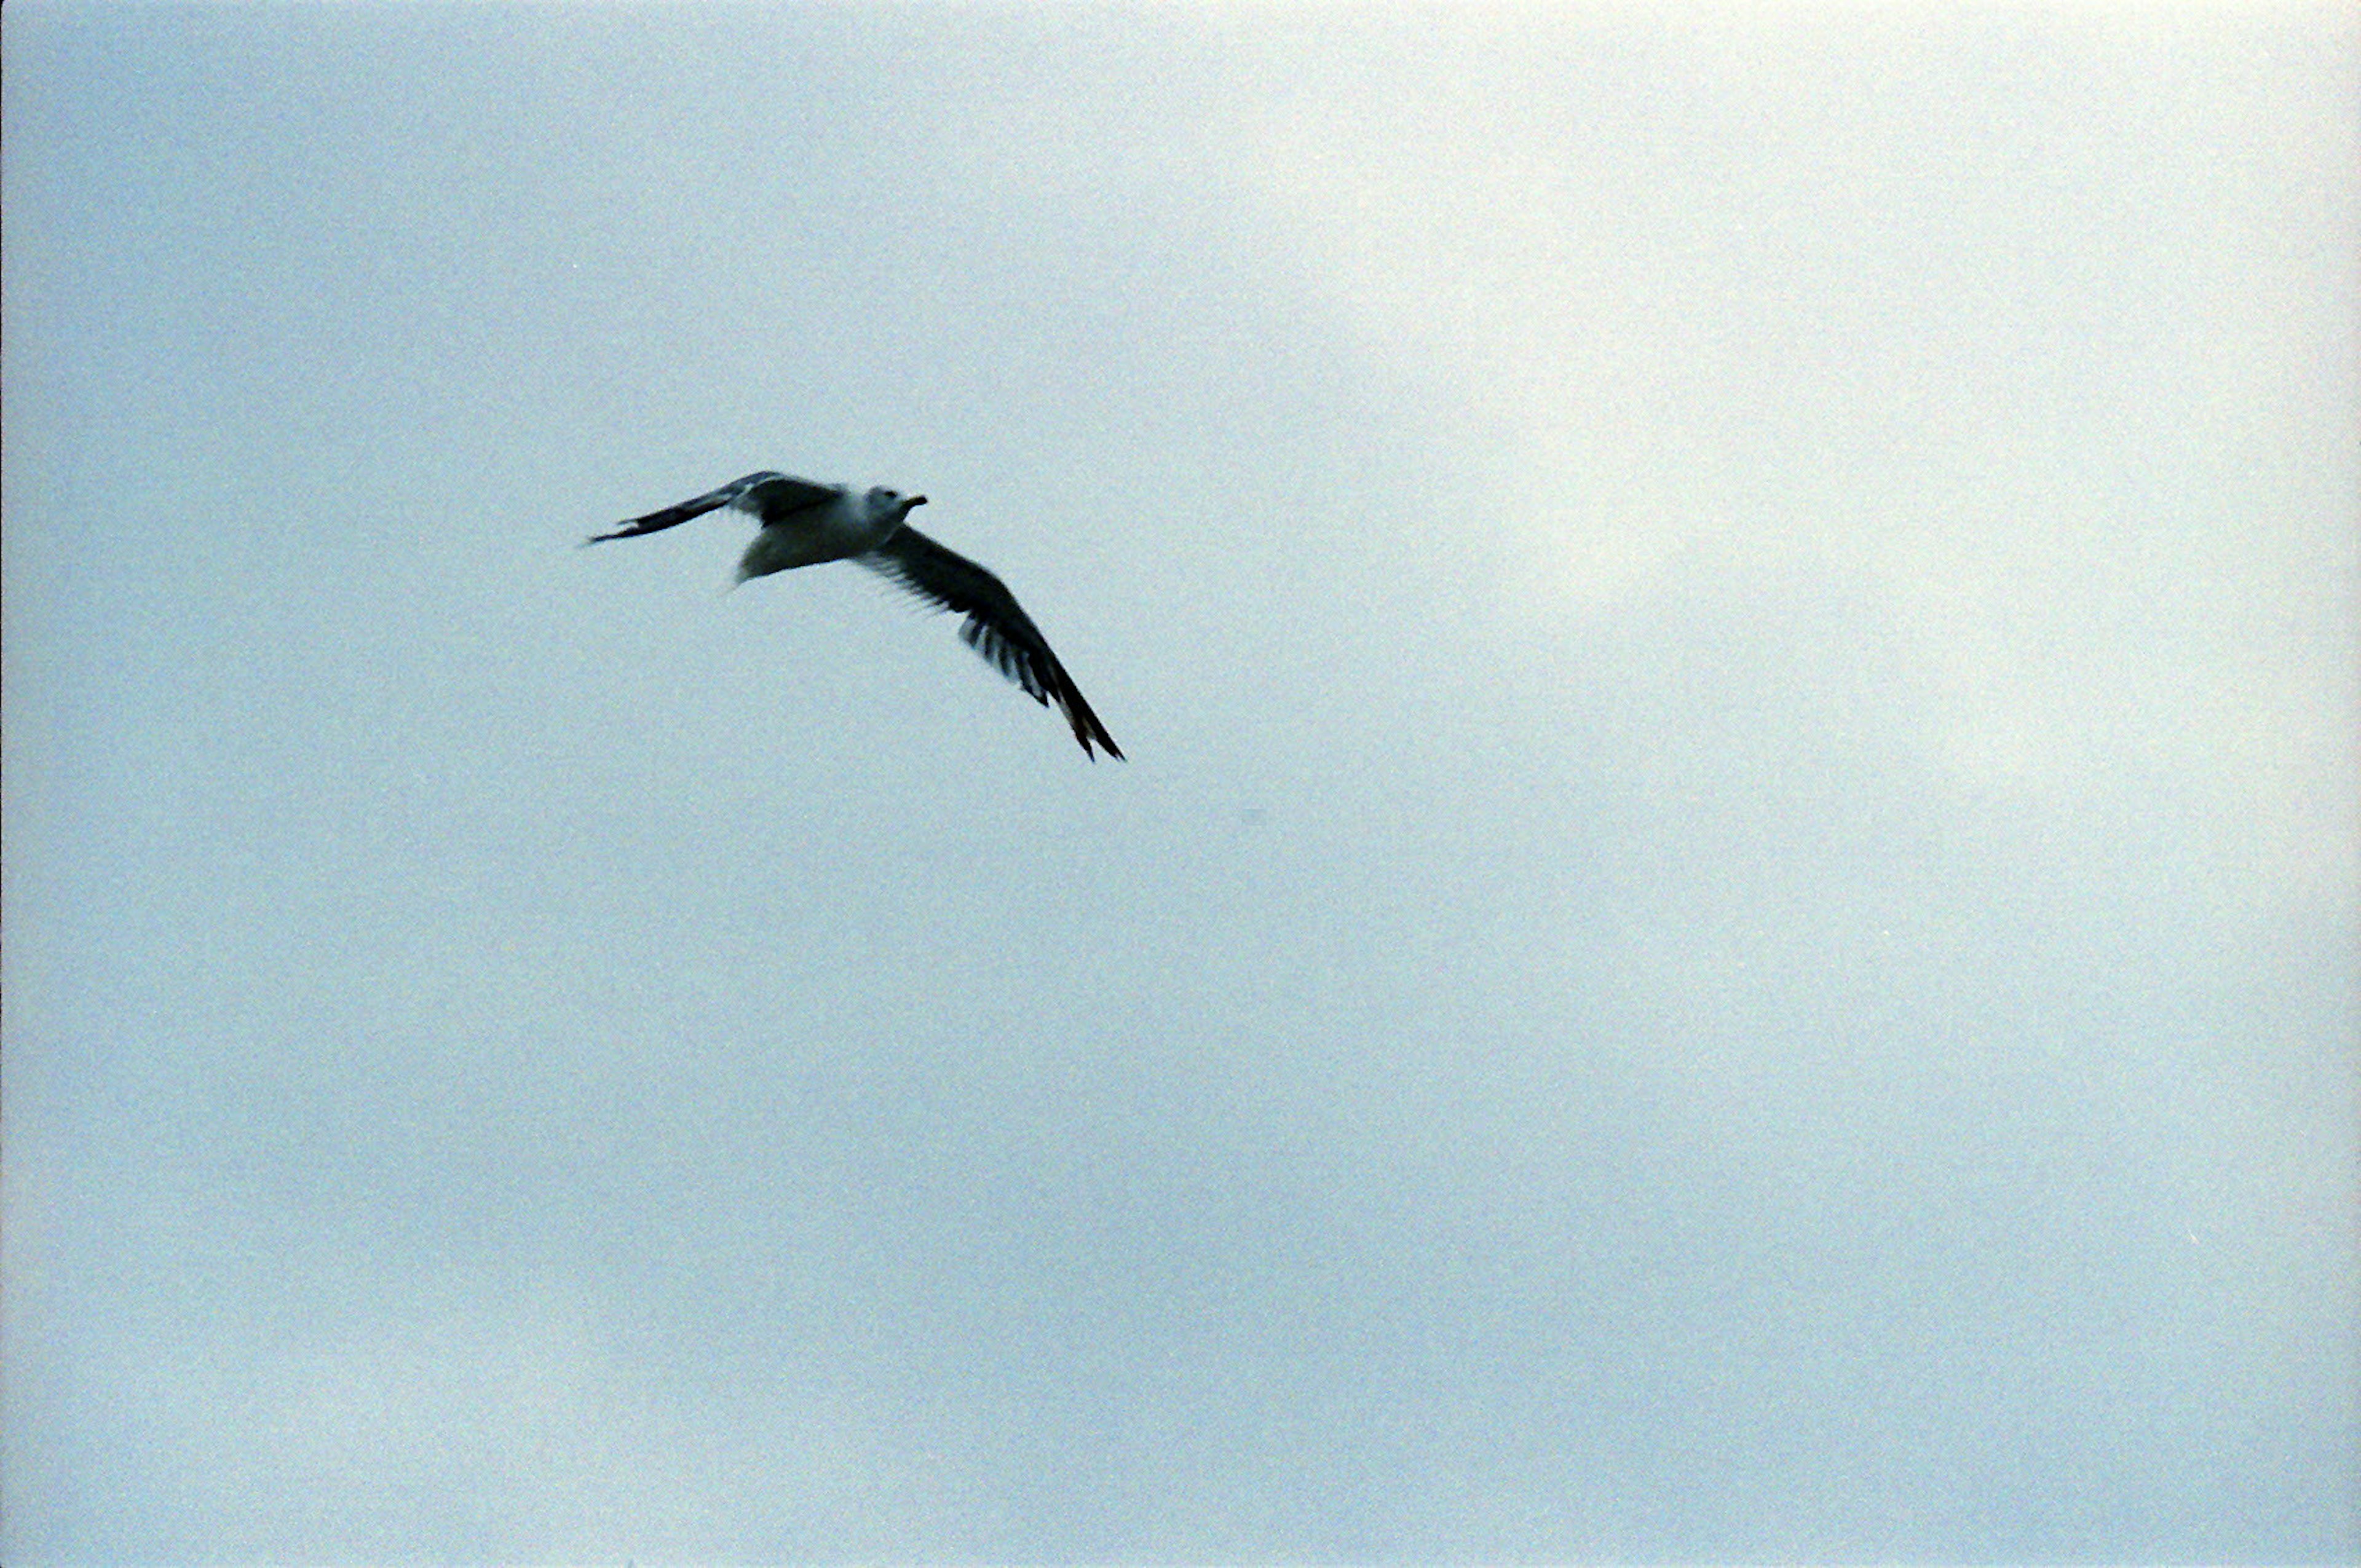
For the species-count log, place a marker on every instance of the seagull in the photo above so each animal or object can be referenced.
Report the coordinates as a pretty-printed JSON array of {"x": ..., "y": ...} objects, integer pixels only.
[{"x": 805, "y": 523}]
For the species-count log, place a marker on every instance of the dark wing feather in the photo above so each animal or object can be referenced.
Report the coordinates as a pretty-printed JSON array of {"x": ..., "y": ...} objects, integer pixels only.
[
  {"x": 996, "y": 626},
  {"x": 673, "y": 517},
  {"x": 776, "y": 496}
]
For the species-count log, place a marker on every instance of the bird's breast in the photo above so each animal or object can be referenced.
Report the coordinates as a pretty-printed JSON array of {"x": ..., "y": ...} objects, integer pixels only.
[{"x": 781, "y": 547}]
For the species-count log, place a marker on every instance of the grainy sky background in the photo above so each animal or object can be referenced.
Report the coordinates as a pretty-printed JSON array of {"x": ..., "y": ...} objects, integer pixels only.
[{"x": 1732, "y": 929}]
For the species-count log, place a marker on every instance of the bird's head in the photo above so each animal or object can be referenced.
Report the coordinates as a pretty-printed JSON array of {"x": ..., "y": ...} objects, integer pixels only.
[{"x": 883, "y": 502}]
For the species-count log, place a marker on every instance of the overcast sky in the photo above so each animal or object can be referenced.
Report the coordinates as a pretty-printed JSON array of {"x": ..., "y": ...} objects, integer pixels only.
[{"x": 1731, "y": 928}]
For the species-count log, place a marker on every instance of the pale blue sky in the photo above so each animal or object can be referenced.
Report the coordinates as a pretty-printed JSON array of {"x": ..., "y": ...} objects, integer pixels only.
[{"x": 1730, "y": 933}]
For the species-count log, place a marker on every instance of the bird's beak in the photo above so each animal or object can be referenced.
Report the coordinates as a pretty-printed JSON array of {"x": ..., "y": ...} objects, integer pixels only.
[{"x": 917, "y": 501}]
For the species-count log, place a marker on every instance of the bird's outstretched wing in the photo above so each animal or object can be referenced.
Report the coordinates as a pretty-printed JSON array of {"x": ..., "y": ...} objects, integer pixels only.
[
  {"x": 768, "y": 494},
  {"x": 996, "y": 626}
]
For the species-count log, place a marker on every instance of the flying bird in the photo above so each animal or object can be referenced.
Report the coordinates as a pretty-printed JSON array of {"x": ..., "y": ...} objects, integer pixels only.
[{"x": 805, "y": 524}]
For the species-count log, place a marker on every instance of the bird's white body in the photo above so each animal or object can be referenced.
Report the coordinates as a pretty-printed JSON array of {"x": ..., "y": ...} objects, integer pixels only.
[{"x": 852, "y": 524}]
